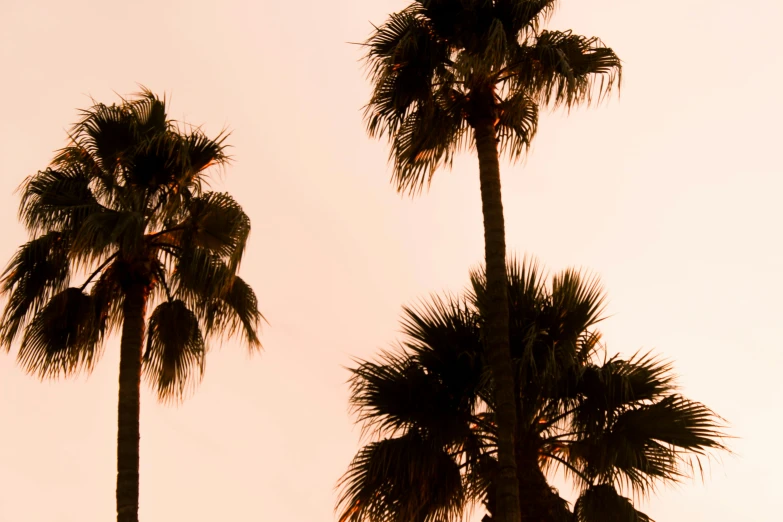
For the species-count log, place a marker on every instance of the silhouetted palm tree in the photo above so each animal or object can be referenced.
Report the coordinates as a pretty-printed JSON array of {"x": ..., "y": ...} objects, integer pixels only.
[
  {"x": 123, "y": 204},
  {"x": 609, "y": 424},
  {"x": 457, "y": 74}
]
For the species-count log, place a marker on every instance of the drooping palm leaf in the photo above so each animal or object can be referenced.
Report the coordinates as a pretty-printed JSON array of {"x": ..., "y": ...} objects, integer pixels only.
[
  {"x": 63, "y": 337},
  {"x": 37, "y": 271},
  {"x": 174, "y": 357},
  {"x": 223, "y": 301},
  {"x": 402, "y": 479}
]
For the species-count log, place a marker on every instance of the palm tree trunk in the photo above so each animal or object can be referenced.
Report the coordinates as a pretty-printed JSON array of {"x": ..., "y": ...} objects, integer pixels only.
[
  {"x": 496, "y": 305},
  {"x": 134, "y": 310}
]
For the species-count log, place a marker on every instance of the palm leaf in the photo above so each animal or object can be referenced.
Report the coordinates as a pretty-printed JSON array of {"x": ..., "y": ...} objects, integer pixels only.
[
  {"x": 673, "y": 420},
  {"x": 174, "y": 358},
  {"x": 223, "y": 302},
  {"x": 235, "y": 312},
  {"x": 107, "y": 132},
  {"x": 648, "y": 442},
  {"x": 517, "y": 124},
  {"x": 149, "y": 113},
  {"x": 523, "y": 15},
  {"x": 64, "y": 337},
  {"x": 109, "y": 297},
  {"x": 579, "y": 298},
  {"x": 102, "y": 233},
  {"x": 426, "y": 140},
  {"x": 216, "y": 223},
  {"x": 562, "y": 68},
  {"x": 58, "y": 199},
  {"x": 201, "y": 152},
  {"x": 402, "y": 479},
  {"x": 37, "y": 271},
  {"x": 403, "y": 59}
]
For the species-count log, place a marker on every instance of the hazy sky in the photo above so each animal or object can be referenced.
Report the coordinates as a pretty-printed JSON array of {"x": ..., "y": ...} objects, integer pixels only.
[{"x": 670, "y": 193}]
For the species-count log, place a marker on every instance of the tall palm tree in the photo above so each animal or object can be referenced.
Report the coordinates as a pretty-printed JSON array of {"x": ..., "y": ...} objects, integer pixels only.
[
  {"x": 456, "y": 74},
  {"x": 123, "y": 206},
  {"x": 609, "y": 424}
]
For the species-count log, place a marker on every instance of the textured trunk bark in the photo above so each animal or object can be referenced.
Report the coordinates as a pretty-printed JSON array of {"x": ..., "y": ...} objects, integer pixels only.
[
  {"x": 496, "y": 306},
  {"x": 538, "y": 503},
  {"x": 134, "y": 310}
]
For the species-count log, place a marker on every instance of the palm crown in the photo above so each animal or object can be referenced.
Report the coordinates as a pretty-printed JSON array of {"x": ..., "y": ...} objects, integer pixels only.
[
  {"x": 124, "y": 204},
  {"x": 443, "y": 67},
  {"x": 611, "y": 424}
]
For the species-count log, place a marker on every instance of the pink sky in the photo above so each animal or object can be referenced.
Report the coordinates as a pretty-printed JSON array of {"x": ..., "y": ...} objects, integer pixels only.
[{"x": 671, "y": 194}]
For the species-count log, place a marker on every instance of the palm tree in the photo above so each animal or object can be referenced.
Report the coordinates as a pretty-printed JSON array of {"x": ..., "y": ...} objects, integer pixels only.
[
  {"x": 123, "y": 205},
  {"x": 456, "y": 74},
  {"x": 608, "y": 424}
]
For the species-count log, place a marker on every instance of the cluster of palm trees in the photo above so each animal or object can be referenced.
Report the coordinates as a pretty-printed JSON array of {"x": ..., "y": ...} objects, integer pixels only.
[
  {"x": 490, "y": 393},
  {"x": 608, "y": 424}
]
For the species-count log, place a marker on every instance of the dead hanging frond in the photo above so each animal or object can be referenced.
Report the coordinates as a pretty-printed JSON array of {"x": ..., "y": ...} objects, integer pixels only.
[
  {"x": 174, "y": 358},
  {"x": 64, "y": 337}
]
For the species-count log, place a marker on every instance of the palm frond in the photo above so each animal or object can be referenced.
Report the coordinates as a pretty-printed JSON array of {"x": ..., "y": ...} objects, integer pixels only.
[
  {"x": 202, "y": 151},
  {"x": 579, "y": 297},
  {"x": 223, "y": 302},
  {"x": 403, "y": 59},
  {"x": 405, "y": 478},
  {"x": 602, "y": 503},
  {"x": 155, "y": 162},
  {"x": 107, "y": 132},
  {"x": 648, "y": 442},
  {"x": 618, "y": 383},
  {"x": 174, "y": 359},
  {"x": 398, "y": 394},
  {"x": 75, "y": 157},
  {"x": 426, "y": 140},
  {"x": 523, "y": 16},
  {"x": 525, "y": 277},
  {"x": 109, "y": 297},
  {"x": 235, "y": 312},
  {"x": 216, "y": 223},
  {"x": 386, "y": 394},
  {"x": 563, "y": 68},
  {"x": 199, "y": 275},
  {"x": 676, "y": 421},
  {"x": 37, "y": 271},
  {"x": 102, "y": 233},
  {"x": 149, "y": 113},
  {"x": 517, "y": 124},
  {"x": 64, "y": 337},
  {"x": 57, "y": 200}
]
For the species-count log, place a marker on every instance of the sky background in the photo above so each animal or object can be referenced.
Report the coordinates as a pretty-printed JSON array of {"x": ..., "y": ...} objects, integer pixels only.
[{"x": 670, "y": 193}]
